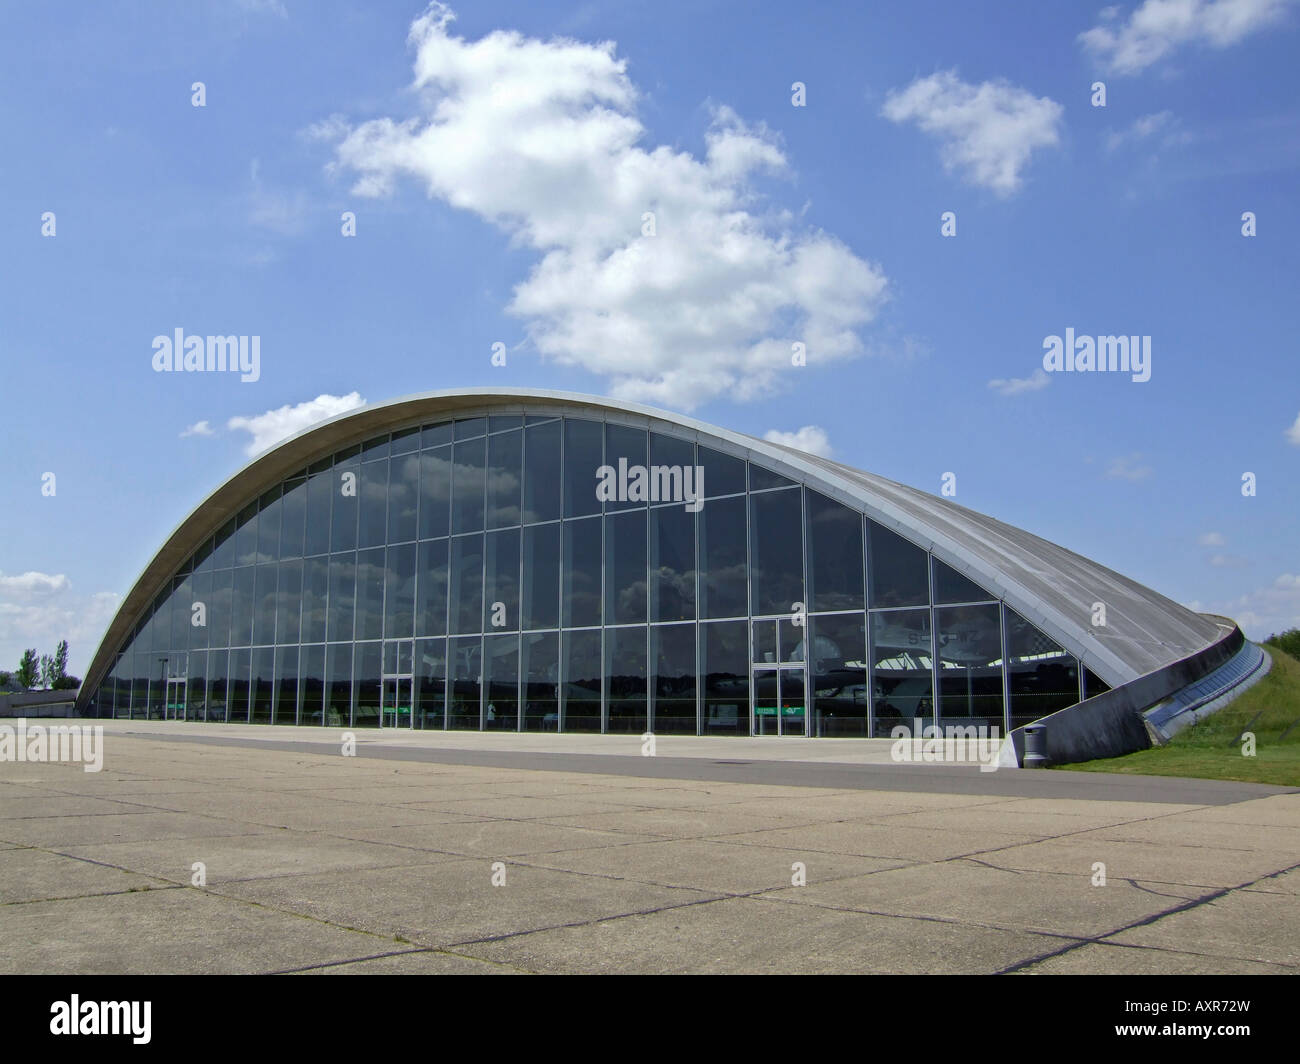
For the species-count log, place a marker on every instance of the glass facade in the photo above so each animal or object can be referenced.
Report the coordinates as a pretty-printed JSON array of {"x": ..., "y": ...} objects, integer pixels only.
[{"x": 466, "y": 574}]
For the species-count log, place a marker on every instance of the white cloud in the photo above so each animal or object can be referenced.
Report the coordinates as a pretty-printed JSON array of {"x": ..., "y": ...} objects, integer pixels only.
[
  {"x": 811, "y": 439},
  {"x": 32, "y": 584},
  {"x": 1228, "y": 561},
  {"x": 1128, "y": 467},
  {"x": 270, "y": 428},
  {"x": 1159, "y": 27},
  {"x": 199, "y": 428},
  {"x": 1293, "y": 433},
  {"x": 1213, "y": 539},
  {"x": 1141, "y": 129},
  {"x": 274, "y": 209},
  {"x": 540, "y": 138},
  {"x": 58, "y": 614},
  {"x": 263, "y": 7},
  {"x": 1264, "y": 611},
  {"x": 987, "y": 131},
  {"x": 1035, "y": 382}
]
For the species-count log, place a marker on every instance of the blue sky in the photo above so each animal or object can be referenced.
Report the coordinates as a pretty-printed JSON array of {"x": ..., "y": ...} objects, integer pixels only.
[{"x": 499, "y": 164}]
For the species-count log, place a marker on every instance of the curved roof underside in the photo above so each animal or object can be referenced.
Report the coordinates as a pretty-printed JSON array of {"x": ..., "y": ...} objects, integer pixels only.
[{"x": 1048, "y": 585}]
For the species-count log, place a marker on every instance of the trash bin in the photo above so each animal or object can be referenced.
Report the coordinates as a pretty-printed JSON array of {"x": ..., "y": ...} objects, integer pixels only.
[{"x": 1035, "y": 746}]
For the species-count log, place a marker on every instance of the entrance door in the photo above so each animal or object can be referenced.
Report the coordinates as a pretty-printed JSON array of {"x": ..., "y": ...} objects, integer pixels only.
[
  {"x": 395, "y": 708},
  {"x": 779, "y": 701},
  {"x": 174, "y": 706}
]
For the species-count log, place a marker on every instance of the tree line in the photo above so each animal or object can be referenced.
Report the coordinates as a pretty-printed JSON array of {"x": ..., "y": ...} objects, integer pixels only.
[{"x": 42, "y": 672}]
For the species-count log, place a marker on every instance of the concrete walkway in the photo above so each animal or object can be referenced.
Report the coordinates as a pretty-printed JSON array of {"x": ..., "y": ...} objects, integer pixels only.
[{"x": 385, "y": 862}]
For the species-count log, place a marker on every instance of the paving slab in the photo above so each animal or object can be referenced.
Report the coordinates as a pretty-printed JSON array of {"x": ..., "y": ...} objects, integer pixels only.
[
  {"x": 28, "y": 875},
  {"x": 440, "y": 904},
  {"x": 716, "y": 821},
  {"x": 1100, "y": 958},
  {"x": 120, "y": 827},
  {"x": 750, "y": 935},
  {"x": 880, "y": 840},
  {"x": 1245, "y": 925},
  {"x": 415, "y": 962},
  {"x": 494, "y": 838}
]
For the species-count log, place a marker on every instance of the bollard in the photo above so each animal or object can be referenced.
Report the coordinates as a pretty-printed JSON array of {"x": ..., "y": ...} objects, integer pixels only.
[{"x": 1035, "y": 746}]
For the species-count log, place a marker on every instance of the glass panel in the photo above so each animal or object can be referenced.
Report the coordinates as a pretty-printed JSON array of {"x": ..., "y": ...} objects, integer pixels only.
[
  {"x": 767, "y": 701},
  {"x": 202, "y": 596},
  {"x": 466, "y": 676},
  {"x": 541, "y": 576},
  {"x": 430, "y": 683},
  {"x": 264, "y": 603},
  {"x": 161, "y": 624},
  {"x": 467, "y": 487},
  {"x": 240, "y": 663},
  {"x": 311, "y": 674},
  {"x": 539, "y": 669},
  {"x": 502, "y": 710},
  {"x": 583, "y": 456},
  {"x": 625, "y": 673},
  {"x": 467, "y": 584},
  {"x": 765, "y": 651},
  {"x": 672, "y": 564},
  {"x": 501, "y": 592},
  {"x": 223, "y": 553},
  {"x": 968, "y": 646},
  {"x": 1041, "y": 676},
  {"x": 367, "y": 685},
  {"x": 901, "y": 670},
  {"x": 672, "y": 649},
  {"x": 951, "y": 586},
  {"x": 246, "y": 536},
  {"x": 724, "y": 588},
  {"x": 371, "y": 572},
  {"x": 723, "y": 474},
  {"x": 294, "y": 511},
  {"x": 501, "y": 422},
  {"x": 898, "y": 574},
  {"x": 625, "y": 448},
  {"x": 435, "y": 492},
  {"x": 671, "y": 451},
  {"x": 316, "y": 583},
  {"x": 343, "y": 516},
  {"x": 268, "y": 526},
  {"x": 203, "y": 557},
  {"x": 505, "y": 479},
  {"x": 581, "y": 684},
  {"x": 342, "y": 601},
  {"x": 375, "y": 449},
  {"x": 374, "y": 504},
  {"x": 241, "y": 621},
  {"x": 288, "y": 602},
  {"x": 625, "y": 568},
  {"x": 465, "y": 428},
  {"x": 1093, "y": 684},
  {"x": 835, "y": 576},
  {"x": 317, "y": 533},
  {"x": 403, "y": 497},
  {"x": 286, "y": 685},
  {"x": 263, "y": 684},
  {"x": 761, "y": 478},
  {"x": 724, "y": 675},
  {"x": 181, "y": 601},
  {"x": 794, "y": 707},
  {"x": 431, "y": 588},
  {"x": 399, "y": 592},
  {"x": 838, "y": 671},
  {"x": 542, "y": 482},
  {"x": 404, "y": 442},
  {"x": 338, "y": 685},
  {"x": 196, "y": 686},
  {"x": 218, "y": 673},
  {"x": 776, "y": 552},
  {"x": 581, "y": 594},
  {"x": 435, "y": 435}
]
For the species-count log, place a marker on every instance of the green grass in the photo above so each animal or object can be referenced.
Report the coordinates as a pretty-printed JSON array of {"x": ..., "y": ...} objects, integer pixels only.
[{"x": 1211, "y": 750}]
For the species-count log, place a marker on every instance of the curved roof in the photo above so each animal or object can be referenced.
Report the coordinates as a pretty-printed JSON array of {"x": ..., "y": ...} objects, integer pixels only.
[{"x": 1050, "y": 586}]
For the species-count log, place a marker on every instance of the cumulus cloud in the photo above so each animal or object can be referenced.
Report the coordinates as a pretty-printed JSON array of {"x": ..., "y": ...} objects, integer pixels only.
[
  {"x": 1035, "y": 382},
  {"x": 270, "y": 428},
  {"x": 199, "y": 428},
  {"x": 811, "y": 439},
  {"x": 540, "y": 138},
  {"x": 986, "y": 131},
  {"x": 1265, "y": 610},
  {"x": 1128, "y": 467},
  {"x": 1159, "y": 27},
  {"x": 1142, "y": 128},
  {"x": 1293, "y": 433},
  {"x": 1212, "y": 539},
  {"x": 48, "y": 610}
]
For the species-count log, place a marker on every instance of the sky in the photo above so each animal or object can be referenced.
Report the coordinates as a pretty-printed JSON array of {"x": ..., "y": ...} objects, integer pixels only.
[{"x": 657, "y": 201}]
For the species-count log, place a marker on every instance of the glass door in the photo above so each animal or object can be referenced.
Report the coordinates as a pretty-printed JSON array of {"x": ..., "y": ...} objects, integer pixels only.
[
  {"x": 395, "y": 708},
  {"x": 779, "y": 700},
  {"x": 174, "y": 707}
]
